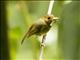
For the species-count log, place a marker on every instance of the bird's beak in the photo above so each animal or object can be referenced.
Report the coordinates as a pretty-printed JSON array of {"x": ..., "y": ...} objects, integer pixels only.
[{"x": 55, "y": 18}]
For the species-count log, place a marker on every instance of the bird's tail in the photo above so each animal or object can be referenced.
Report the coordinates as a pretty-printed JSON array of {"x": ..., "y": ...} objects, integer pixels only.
[{"x": 24, "y": 37}]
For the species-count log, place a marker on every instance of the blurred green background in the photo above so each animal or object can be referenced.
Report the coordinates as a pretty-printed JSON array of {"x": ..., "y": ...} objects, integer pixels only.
[{"x": 63, "y": 40}]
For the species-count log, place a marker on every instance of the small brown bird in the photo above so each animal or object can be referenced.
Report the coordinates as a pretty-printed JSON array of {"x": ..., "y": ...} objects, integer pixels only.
[{"x": 40, "y": 27}]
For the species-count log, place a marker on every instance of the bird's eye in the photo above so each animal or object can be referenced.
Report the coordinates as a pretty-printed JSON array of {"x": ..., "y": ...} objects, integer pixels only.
[{"x": 48, "y": 17}]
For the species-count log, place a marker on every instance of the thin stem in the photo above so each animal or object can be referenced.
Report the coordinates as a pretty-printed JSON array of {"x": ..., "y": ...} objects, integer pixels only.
[
  {"x": 41, "y": 53},
  {"x": 43, "y": 39},
  {"x": 50, "y": 7},
  {"x": 42, "y": 46}
]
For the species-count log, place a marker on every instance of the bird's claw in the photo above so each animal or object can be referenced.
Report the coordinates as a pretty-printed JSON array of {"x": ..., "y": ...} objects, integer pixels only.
[{"x": 42, "y": 44}]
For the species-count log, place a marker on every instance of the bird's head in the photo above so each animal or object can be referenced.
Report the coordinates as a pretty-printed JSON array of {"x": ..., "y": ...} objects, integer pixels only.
[{"x": 50, "y": 18}]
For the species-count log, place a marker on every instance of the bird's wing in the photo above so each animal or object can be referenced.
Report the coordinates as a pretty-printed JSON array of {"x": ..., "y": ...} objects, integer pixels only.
[
  {"x": 28, "y": 34},
  {"x": 35, "y": 28},
  {"x": 32, "y": 30}
]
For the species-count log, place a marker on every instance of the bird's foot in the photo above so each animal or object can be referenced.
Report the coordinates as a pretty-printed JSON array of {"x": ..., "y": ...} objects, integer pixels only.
[{"x": 43, "y": 44}]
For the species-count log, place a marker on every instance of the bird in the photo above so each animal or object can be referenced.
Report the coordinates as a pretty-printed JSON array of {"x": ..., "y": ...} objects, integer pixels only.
[{"x": 40, "y": 27}]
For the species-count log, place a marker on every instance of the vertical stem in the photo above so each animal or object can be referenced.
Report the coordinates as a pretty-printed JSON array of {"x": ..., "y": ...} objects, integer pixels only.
[
  {"x": 41, "y": 53},
  {"x": 41, "y": 49},
  {"x": 43, "y": 39},
  {"x": 50, "y": 7}
]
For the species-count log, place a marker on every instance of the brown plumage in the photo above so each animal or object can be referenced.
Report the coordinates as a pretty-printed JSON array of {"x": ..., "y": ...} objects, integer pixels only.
[{"x": 40, "y": 27}]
